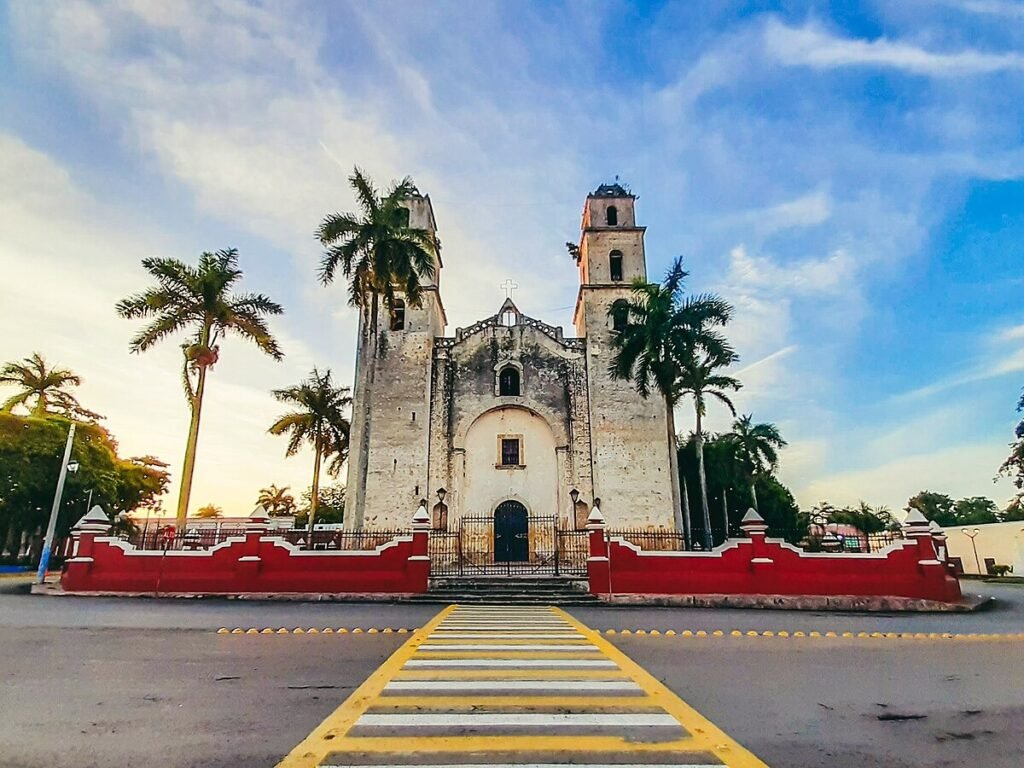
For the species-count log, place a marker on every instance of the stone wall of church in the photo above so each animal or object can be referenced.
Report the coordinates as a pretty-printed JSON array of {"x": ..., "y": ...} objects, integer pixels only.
[
  {"x": 632, "y": 475},
  {"x": 468, "y": 418}
]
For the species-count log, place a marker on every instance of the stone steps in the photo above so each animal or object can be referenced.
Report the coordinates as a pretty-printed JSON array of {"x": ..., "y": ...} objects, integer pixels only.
[{"x": 506, "y": 590}]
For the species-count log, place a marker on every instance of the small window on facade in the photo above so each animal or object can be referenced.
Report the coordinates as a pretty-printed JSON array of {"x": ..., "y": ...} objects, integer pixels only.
[
  {"x": 615, "y": 265},
  {"x": 611, "y": 216},
  {"x": 510, "y": 452},
  {"x": 398, "y": 316},
  {"x": 620, "y": 315},
  {"x": 508, "y": 318},
  {"x": 508, "y": 382}
]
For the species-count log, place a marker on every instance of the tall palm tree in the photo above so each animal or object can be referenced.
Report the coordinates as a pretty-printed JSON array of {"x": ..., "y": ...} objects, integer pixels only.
[
  {"x": 701, "y": 380},
  {"x": 756, "y": 448},
  {"x": 46, "y": 388},
  {"x": 664, "y": 330},
  {"x": 198, "y": 301},
  {"x": 376, "y": 249},
  {"x": 319, "y": 420},
  {"x": 277, "y": 501}
]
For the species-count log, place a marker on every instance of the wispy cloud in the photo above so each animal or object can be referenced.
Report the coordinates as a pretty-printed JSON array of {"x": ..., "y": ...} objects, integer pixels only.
[{"x": 812, "y": 46}]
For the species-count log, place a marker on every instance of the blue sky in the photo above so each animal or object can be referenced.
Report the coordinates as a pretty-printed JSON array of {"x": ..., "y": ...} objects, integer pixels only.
[{"x": 849, "y": 175}]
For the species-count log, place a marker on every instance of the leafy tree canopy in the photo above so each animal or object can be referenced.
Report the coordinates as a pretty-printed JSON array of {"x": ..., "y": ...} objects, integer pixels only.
[
  {"x": 974, "y": 510},
  {"x": 31, "y": 449},
  {"x": 1013, "y": 467},
  {"x": 277, "y": 501},
  {"x": 331, "y": 506}
]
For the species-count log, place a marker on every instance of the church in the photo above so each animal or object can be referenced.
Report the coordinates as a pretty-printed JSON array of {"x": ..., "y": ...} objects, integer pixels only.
[{"x": 510, "y": 422}]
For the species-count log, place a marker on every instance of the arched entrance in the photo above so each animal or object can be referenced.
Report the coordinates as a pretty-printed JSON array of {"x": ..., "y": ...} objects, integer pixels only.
[{"x": 511, "y": 533}]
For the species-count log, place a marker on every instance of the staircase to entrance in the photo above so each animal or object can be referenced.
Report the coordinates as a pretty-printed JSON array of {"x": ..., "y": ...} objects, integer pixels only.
[{"x": 506, "y": 590}]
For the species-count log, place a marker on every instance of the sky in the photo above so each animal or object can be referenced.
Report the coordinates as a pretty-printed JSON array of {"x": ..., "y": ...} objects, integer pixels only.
[{"x": 850, "y": 175}]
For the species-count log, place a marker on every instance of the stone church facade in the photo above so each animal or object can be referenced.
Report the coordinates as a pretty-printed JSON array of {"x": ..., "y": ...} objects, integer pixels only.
[{"x": 510, "y": 412}]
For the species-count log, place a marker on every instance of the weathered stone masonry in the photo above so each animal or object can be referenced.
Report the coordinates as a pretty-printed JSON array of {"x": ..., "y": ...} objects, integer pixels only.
[{"x": 429, "y": 413}]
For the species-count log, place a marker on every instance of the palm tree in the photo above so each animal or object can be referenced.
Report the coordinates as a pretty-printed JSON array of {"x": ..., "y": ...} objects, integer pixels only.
[
  {"x": 320, "y": 421},
  {"x": 47, "y": 387},
  {"x": 756, "y": 448},
  {"x": 198, "y": 301},
  {"x": 209, "y": 511},
  {"x": 663, "y": 330},
  {"x": 277, "y": 501},
  {"x": 376, "y": 250},
  {"x": 701, "y": 381}
]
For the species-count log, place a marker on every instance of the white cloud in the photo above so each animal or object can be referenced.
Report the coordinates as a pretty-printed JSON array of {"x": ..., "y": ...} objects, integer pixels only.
[
  {"x": 58, "y": 299},
  {"x": 811, "y": 46},
  {"x": 960, "y": 470}
]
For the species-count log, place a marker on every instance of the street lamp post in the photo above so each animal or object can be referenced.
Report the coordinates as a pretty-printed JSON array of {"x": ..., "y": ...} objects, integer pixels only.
[
  {"x": 970, "y": 534},
  {"x": 65, "y": 467}
]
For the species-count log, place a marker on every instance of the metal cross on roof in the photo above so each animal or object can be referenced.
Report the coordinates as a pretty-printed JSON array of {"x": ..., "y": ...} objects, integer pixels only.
[{"x": 509, "y": 286}]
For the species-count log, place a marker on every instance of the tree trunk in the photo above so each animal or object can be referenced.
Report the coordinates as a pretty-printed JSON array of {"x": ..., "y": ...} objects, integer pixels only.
[
  {"x": 725, "y": 512},
  {"x": 687, "y": 525},
  {"x": 708, "y": 540},
  {"x": 673, "y": 462},
  {"x": 189, "y": 465},
  {"x": 753, "y": 494},
  {"x": 10, "y": 543},
  {"x": 314, "y": 496}
]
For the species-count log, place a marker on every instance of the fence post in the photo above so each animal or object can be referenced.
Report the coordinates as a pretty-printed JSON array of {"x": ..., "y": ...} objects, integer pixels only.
[
  {"x": 762, "y": 565},
  {"x": 599, "y": 573},
  {"x": 83, "y": 537},
  {"x": 419, "y": 561}
]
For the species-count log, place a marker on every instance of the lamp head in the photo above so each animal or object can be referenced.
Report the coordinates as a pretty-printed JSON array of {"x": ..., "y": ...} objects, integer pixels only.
[
  {"x": 73, "y": 467},
  {"x": 574, "y": 495},
  {"x": 441, "y": 493}
]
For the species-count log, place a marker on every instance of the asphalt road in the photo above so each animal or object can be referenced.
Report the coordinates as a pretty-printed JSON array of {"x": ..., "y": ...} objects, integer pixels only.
[{"x": 106, "y": 682}]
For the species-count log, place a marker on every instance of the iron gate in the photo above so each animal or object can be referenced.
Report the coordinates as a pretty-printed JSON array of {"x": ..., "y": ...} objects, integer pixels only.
[{"x": 508, "y": 543}]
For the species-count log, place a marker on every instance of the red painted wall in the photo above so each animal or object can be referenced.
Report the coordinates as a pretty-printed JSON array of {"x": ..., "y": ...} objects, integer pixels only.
[
  {"x": 756, "y": 566},
  {"x": 255, "y": 564}
]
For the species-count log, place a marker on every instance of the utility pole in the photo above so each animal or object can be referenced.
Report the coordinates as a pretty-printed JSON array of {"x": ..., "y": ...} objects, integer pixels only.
[{"x": 51, "y": 528}]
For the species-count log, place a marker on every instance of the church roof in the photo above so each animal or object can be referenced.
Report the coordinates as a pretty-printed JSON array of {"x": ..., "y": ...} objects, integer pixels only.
[{"x": 612, "y": 190}]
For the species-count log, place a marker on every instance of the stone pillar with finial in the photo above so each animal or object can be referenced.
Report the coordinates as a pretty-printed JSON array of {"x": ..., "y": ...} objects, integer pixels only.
[
  {"x": 762, "y": 564},
  {"x": 255, "y": 528},
  {"x": 419, "y": 561},
  {"x": 598, "y": 564},
  {"x": 83, "y": 535}
]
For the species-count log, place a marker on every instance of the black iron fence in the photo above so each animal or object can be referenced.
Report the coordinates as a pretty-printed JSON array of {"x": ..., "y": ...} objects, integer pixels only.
[
  {"x": 194, "y": 539},
  {"x": 475, "y": 548},
  {"x": 810, "y": 540}
]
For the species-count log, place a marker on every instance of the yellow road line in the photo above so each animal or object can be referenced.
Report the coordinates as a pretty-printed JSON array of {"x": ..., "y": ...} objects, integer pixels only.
[
  {"x": 706, "y": 733},
  {"x": 311, "y": 750}
]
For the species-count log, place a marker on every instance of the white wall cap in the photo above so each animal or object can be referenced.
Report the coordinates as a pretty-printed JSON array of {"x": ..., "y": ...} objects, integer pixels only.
[
  {"x": 421, "y": 515},
  {"x": 752, "y": 517},
  {"x": 93, "y": 519},
  {"x": 260, "y": 513},
  {"x": 914, "y": 517},
  {"x": 595, "y": 518}
]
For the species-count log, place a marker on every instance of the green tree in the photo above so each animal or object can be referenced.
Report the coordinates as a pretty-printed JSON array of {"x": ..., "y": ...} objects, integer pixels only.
[
  {"x": 934, "y": 506},
  {"x": 1013, "y": 467},
  {"x": 1014, "y": 510},
  {"x": 198, "y": 301},
  {"x": 862, "y": 517},
  {"x": 664, "y": 333},
  {"x": 975, "y": 510},
  {"x": 702, "y": 381},
  {"x": 31, "y": 449},
  {"x": 277, "y": 501},
  {"x": 45, "y": 388},
  {"x": 320, "y": 420},
  {"x": 376, "y": 250},
  {"x": 330, "y": 505},
  {"x": 756, "y": 448},
  {"x": 209, "y": 511}
]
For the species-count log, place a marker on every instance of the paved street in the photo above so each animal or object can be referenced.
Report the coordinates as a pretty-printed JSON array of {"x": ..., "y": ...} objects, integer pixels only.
[{"x": 103, "y": 682}]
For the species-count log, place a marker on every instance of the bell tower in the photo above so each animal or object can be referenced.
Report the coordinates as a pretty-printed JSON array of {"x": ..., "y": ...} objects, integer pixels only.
[
  {"x": 389, "y": 441},
  {"x": 629, "y": 434}
]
